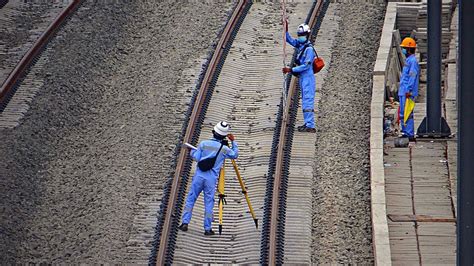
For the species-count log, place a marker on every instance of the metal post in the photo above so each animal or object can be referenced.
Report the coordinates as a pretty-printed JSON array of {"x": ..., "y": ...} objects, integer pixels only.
[
  {"x": 433, "y": 125},
  {"x": 465, "y": 100}
]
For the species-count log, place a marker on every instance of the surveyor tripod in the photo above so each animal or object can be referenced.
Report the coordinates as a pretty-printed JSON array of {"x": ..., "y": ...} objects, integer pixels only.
[{"x": 222, "y": 201}]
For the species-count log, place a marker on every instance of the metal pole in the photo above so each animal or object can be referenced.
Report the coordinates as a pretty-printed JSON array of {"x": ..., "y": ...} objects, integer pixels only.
[
  {"x": 433, "y": 109},
  {"x": 433, "y": 125},
  {"x": 465, "y": 100}
]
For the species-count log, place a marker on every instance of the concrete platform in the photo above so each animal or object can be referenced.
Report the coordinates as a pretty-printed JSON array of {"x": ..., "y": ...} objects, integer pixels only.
[
  {"x": 413, "y": 188},
  {"x": 420, "y": 186},
  {"x": 420, "y": 206}
]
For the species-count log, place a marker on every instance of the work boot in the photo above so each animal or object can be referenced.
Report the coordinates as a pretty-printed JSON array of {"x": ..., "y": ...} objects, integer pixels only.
[
  {"x": 301, "y": 127},
  {"x": 209, "y": 233},
  {"x": 183, "y": 227},
  {"x": 307, "y": 129}
]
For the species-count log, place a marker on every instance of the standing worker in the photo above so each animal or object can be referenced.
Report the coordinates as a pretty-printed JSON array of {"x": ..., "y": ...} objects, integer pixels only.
[
  {"x": 304, "y": 70},
  {"x": 210, "y": 155},
  {"x": 408, "y": 85}
]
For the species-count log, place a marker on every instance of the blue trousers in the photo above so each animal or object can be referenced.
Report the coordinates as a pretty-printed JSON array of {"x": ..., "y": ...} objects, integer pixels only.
[
  {"x": 201, "y": 182},
  {"x": 307, "y": 84},
  {"x": 408, "y": 129}
]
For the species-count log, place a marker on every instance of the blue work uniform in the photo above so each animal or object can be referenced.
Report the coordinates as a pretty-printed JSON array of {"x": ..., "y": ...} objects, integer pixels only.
[
  {"x": 307, "y": 81},
  {"x": 408, "y": 84},
  {"x": 206, "y": 181}
]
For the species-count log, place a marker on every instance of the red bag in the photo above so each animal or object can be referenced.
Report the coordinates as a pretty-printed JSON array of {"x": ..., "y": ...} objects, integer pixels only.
[{"x": 318, "y": 63}]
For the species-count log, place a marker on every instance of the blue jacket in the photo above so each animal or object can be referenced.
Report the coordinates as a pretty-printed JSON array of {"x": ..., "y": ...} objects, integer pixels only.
[
  {"x": 410, "y": 77},
  {"x": 209, "y": 148},
  {"x": 305, "y": 62}
]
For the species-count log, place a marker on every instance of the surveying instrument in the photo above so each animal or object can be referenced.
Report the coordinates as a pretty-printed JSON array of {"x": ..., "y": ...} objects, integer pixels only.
[
  {"x": 222, "y": 201},
  {"x": 220, "y": 190}
]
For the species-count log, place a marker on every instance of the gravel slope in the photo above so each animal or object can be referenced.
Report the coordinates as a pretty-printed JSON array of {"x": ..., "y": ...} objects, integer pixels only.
[
  {"x": 104, "y": 124},
  {"x": 341, "y": 189}
]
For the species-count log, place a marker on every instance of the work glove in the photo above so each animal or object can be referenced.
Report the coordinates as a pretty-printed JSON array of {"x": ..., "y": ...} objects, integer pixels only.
[
  {"x": 286, "y": 70},
  {"x": 231, "y": 137}
]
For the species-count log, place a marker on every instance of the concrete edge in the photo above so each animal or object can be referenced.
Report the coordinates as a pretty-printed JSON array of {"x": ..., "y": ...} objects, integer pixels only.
[
  {"x": 380, "y": 233},
  {"x": 383, "y": 53}
]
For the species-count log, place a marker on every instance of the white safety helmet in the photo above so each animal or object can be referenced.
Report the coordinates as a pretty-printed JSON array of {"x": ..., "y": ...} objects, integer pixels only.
[
  {"x": 303, "y": 29},
  {"x": 222, "y": 128}
]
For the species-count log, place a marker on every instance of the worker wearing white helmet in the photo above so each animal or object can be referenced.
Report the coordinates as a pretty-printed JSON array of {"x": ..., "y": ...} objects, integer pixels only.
[
  {"x": 304, "y": 70},
  {"x": 210, "y": 155}
]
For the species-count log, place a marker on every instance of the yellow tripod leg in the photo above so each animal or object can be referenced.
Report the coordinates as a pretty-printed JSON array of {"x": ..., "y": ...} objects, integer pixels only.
[
  {"x": 220, "y": 189},
  {"x": 244, "y": 191}
]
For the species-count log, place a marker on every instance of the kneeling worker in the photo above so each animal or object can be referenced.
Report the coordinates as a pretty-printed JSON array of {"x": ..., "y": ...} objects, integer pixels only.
[{"x": 210, "y": 155}]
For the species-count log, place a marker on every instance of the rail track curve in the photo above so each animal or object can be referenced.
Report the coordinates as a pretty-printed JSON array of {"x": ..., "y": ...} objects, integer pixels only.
[
  {"x": 272, "y": 239},
  {"x": 8, "y": 88},
  {"x": 165, "y": 240}
]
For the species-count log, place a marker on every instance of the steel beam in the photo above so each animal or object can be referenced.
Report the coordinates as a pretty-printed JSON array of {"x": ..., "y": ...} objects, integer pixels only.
[
  {"x": 434, "y": 125},
  {"x": 465, "y": 101}
]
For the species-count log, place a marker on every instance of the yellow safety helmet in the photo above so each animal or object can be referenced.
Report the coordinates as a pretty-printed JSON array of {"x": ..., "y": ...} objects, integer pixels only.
[{"x": 408, "y": 43}]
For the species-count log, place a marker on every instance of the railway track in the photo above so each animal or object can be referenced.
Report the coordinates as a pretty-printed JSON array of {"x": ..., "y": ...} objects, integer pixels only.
[
  {"x": 241, "y": 81},
  {"x": 27, "y": 54},
  {"x": 3, "y": 3},
  {"x": 247, "y": 94},
  {"x": 273, "y": 236}
]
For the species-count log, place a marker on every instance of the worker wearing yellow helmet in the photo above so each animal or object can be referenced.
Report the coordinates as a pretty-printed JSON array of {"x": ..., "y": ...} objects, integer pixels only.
[{"x": 408, "y": 85}]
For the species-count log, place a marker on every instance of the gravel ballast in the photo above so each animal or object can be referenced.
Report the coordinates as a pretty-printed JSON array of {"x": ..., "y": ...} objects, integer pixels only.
[
  {"x": 103, "y": 126},
  {"x": 22, "y": 24},
  {"x": 341, "y": 188}
]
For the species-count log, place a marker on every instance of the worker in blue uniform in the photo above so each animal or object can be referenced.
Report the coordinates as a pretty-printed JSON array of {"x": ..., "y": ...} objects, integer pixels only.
[
  {"x": 206, "y": 180},
  {"x": 408, "y": 85},
  {"x": 304, "y": 70}
]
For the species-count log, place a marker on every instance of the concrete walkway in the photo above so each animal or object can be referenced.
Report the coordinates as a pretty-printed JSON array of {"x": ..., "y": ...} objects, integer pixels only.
[{"x": 420, "y": 185}]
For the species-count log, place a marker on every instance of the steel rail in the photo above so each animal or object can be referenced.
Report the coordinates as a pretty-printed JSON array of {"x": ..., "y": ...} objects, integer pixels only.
[
  {"x": 190, "y": 130},
  {"x": 280, "y": 157},
  {"x": 3, "y": 3},
  {"x": 26, "y": 61}
]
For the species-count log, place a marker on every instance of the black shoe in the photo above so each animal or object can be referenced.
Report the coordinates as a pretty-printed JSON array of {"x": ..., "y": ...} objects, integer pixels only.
[
  {"x": 307, "y": 129},
  {"x": 301, "y": 127},
  {"x": 183, "y": 227},
  {"x": 209, "y": 233}
]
